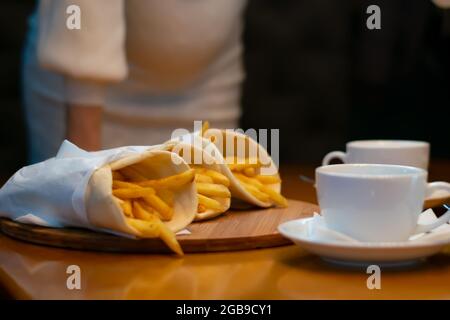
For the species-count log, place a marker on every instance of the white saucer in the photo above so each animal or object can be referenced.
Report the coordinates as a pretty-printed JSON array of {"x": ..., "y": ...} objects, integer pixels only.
[{"x": 360, "y": 253}]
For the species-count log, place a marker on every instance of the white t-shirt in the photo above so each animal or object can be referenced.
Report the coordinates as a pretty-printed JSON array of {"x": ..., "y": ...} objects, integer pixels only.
[{"x": 159, "y": 59}]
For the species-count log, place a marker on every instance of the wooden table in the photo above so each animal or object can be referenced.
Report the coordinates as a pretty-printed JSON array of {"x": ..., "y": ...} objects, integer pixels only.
[{"x": 29, "y": 271}]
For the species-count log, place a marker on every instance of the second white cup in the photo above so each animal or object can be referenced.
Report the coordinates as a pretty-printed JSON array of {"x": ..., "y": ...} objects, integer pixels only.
[{"x": 399, "y": 152}]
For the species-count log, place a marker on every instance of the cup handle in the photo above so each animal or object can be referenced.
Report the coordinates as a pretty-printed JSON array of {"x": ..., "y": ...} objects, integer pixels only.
[
  {"x": 438, "y": 185},
  {"x": 333, "y": 155}
]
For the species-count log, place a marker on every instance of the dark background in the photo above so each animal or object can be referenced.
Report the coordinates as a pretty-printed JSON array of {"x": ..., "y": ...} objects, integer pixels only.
[{"x": 313, "y": 70}]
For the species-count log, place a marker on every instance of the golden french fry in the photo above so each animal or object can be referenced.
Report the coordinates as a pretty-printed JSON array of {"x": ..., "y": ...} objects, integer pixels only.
[
  {"x": 151, "y": 210},
  {"x": 160, "y": 206},
  {"x": 275, "y": 196},
  {"x": 132, "y": 193},
  {"x": 243, "y": 166},
  {"x": 209, "y": 203},
  {"x": 127, "y": 208},
  {"x": 217, "y": 177},
  {"x": 166, "y": 195},
  {"x": 116, "y": 175},
  {"x": 141, "y": 213},
  {"x": 199, "y": 177},
  {"x": 243, "y": 178},
  {"x": 132, "y": 174},
  {"x": 268, "y": 179},
  {"x": 253, "y": 186},
  {"x": 201, "y": 208},
  {"x": 205, "y": 127},
  {"x": 154, "y": 229},
  {"x": 261, "y": 196},
  {"x": 147, "y": 207},
  {"x": 117, "y": 184},
  {"x": 170, "y": 239},
  {"x": 172, "y": 182},
  {"x": 147, "y": 229},
  {"x": 250, "y": 172},
  {"x": 213, "y": 190}
]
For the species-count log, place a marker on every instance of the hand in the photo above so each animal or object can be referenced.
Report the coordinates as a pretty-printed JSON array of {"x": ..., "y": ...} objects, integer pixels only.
[{"x": 84, "y": 125}]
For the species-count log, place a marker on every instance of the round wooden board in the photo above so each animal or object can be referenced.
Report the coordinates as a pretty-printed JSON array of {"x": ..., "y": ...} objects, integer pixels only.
[{"x": 234, "y": 230}]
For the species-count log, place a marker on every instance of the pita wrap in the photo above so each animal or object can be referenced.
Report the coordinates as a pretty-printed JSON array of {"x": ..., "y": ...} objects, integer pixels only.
[
  {"x": 196, "y": 156},
  {"x": 221, "y": 145},
  {"x": 74, "y": 189},
  {"x": 104, "y": 210}
]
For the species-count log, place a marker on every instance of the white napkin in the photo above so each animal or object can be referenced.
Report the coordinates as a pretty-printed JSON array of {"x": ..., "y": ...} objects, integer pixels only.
[
  {"x": 319, "y": 231},
  {"x": 51, "y": 193}
]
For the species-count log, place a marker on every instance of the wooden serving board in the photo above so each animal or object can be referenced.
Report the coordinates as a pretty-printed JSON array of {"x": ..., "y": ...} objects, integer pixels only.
[{"x": 234, "y": 230}]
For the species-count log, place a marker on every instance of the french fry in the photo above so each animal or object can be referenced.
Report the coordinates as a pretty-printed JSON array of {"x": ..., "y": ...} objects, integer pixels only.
[
  {"x": 132, "y": 174},
  {"x": 116, "y": 175},
  {"x": 127, "y": 208},
  {"x": 117, "y": 184},
  {"x": 199, "y": 177},
  {"x": 170, "y": 239},
  {"x": 141, "y": 213},
  {"x": 268, "y": 179},
  {"x": 146, "y": 202},
  {"x": 217, "y": 177},
  {"x": 147, "y": 229},
  {"x": 154, "y": 229},
  {"x": 201, "y": 208},
  {"x": 277, "y": 198},
  {"x": 205, "y": 128},
  {"x": 213, "y": 190},
  {"x": 209, "y": 203},
  {"x": 166, "y": 195},
  {"x": 248, "y": 180},
  {"x": 147, "y": 207},
  {"x": 132, "y": 193},
  {"x": 172, "y": 182},
  {"x": 125, "y": 205},
  {"x": 250, "y": 172},
  {"x": 243, "y": 166},
  {"x": 151, "y": 210},
  {"x": 160, "y": 206},
  {"x": 261, "y": 196}
]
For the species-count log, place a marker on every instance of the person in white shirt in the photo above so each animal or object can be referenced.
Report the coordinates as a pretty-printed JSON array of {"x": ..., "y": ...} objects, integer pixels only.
[
  {"x": 444, "y": 4},
  {"x": 136, "y": 70}
]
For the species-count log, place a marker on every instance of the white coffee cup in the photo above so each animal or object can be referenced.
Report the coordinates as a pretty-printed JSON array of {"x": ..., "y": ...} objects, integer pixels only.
[
  {"x": 375, "y": 203},
  {"x": 400, "y": 152}
]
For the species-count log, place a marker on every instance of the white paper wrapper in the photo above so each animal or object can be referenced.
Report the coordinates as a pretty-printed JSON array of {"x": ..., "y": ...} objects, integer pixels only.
[{"x": 74, "y": 189}]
